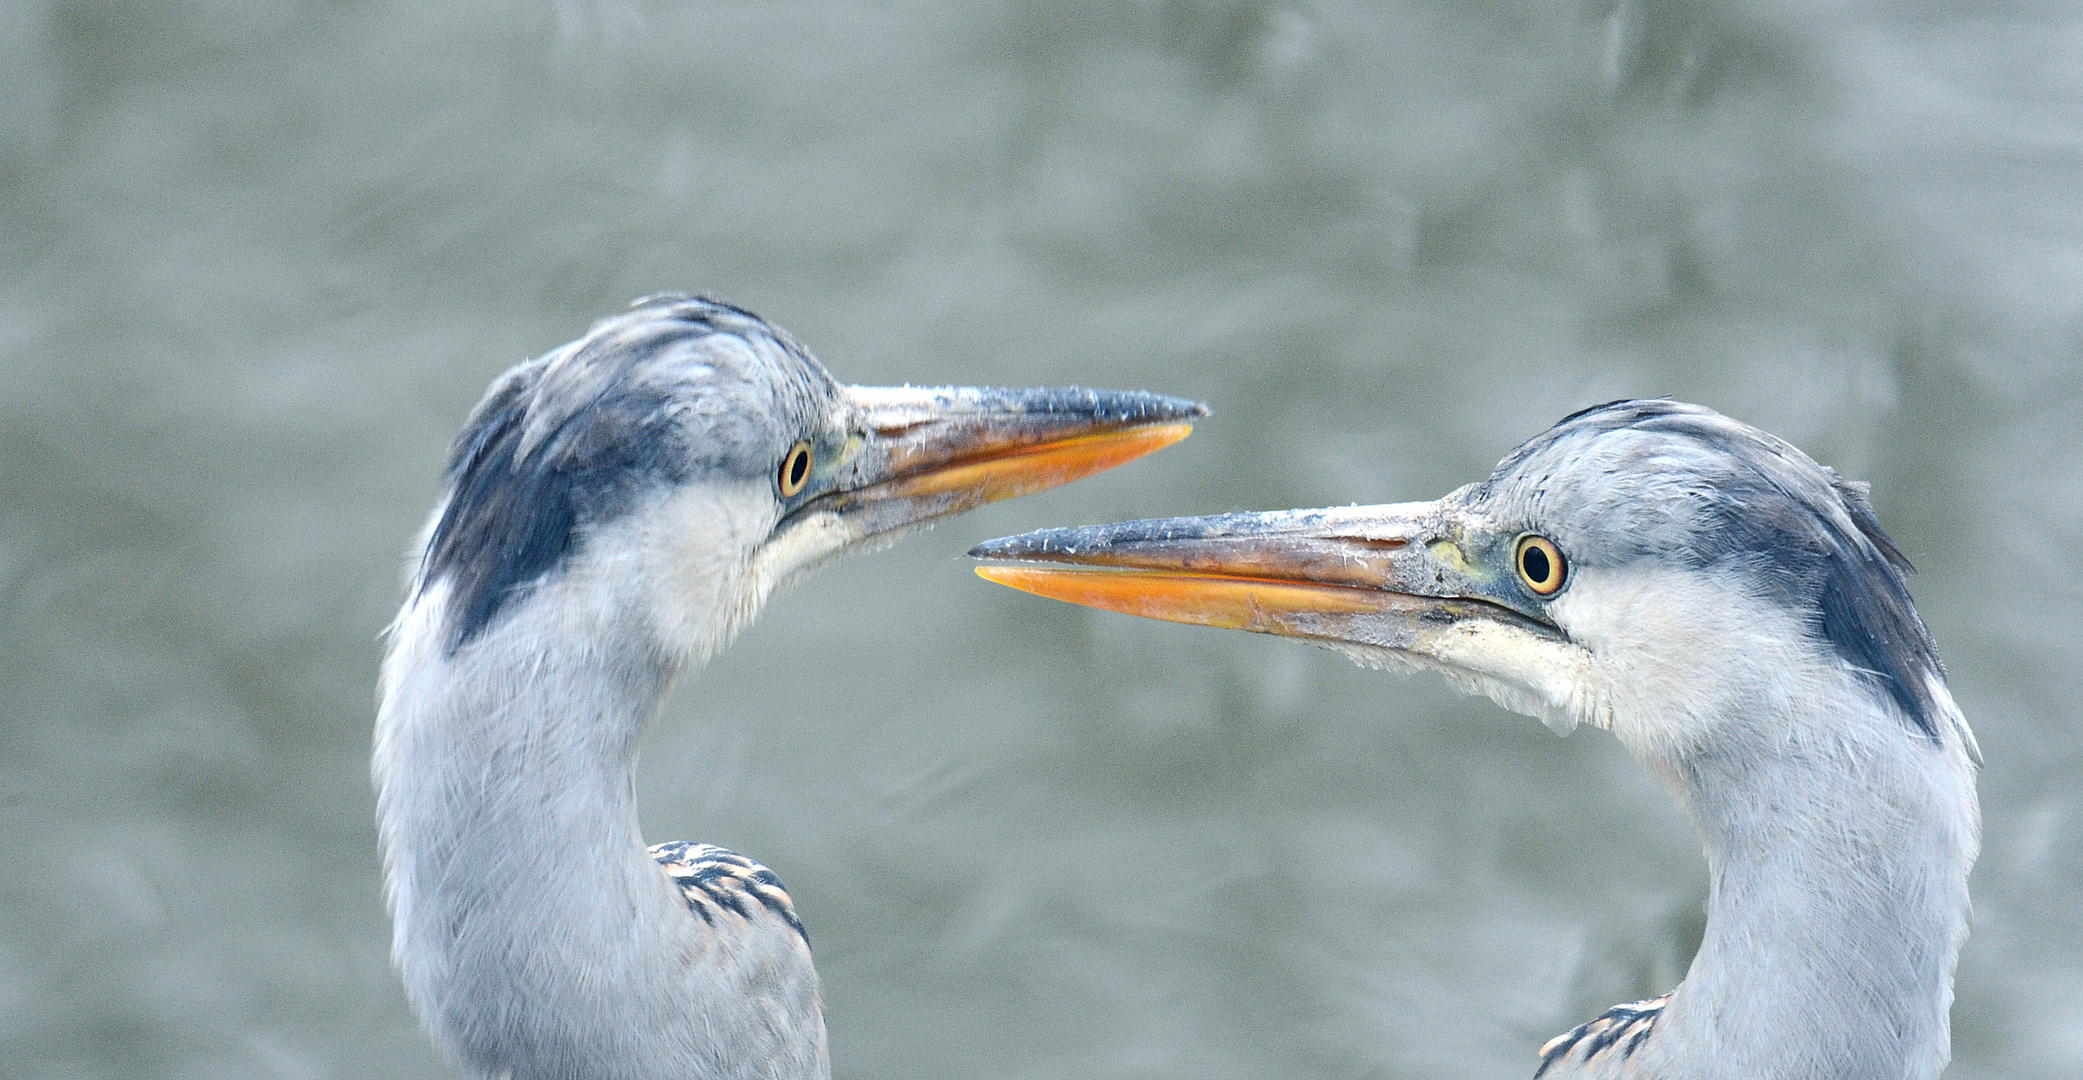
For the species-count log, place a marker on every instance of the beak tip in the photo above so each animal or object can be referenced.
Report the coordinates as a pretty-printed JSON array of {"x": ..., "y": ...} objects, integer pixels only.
[
  {"x": 1023, "y": 546},
  {"x": 1143, "y": 406},
  {"x": 1163, "y": 435}
]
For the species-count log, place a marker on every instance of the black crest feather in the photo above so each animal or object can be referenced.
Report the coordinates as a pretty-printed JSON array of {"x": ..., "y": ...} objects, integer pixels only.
[
  {"x": 1807, "y": 534},
  {"x": 574, "y": 438}
]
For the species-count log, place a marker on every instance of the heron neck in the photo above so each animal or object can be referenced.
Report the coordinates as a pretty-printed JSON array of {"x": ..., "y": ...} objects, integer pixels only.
[
  {"x": 1838, "y": 846},
  {"x": 522, "y": 897}
]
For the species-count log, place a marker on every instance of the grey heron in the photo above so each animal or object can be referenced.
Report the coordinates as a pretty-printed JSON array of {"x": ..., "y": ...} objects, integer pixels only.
[
  {"x": 1733, "y": 613},
  {"x": 615, "y": 511}
]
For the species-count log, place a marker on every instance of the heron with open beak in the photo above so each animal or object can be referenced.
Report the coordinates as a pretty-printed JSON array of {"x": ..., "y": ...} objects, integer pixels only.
[{"x": 1734, "y": 615}]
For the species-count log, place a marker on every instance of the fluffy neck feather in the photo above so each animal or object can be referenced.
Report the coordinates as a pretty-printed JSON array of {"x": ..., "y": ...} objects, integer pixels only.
[
  {"x": 1838, "y": 848},
  {"x": 536, "y": 936},
  {"x": 505, "y": 778},
  {"x": 1838, "y": 835},
  {"x": 1838, "y": 841}
]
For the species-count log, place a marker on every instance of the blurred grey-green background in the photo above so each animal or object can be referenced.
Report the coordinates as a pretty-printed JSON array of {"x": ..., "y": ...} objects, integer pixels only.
[{"x": 260, "y": 259}]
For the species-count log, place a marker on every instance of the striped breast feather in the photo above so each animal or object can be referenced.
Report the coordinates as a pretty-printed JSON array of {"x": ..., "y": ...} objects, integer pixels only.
[
  {"x": 1608, "y": 1040},
  {"x": 718, "y": 883}
]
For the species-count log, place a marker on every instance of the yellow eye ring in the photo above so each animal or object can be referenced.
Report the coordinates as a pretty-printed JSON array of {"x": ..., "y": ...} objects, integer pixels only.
[
  {"x": 795, "y": 469},
  {"x": 1540, "y": 565}
]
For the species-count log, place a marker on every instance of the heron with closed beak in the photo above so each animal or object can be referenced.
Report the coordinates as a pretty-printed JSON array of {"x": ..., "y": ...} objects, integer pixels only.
[
  {"x": 615, "y": 511},
  {"x": 1734, "y": 615}
]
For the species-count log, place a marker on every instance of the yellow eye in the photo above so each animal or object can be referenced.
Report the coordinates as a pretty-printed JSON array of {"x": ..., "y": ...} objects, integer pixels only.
[
  {"x": 1540, "y": 564},
  {"x": 795, "y": 469}
]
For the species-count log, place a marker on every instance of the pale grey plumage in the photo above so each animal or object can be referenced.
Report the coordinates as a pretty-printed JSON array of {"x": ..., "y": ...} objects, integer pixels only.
[
  {"x": 1734, "y": 614},
  {"x": 615, "y": 511}
]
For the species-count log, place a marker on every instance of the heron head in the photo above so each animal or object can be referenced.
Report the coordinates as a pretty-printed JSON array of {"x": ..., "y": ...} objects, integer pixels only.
[
  {"x": 685, "y": 459},
  {"x": 1650, "y": 567}
]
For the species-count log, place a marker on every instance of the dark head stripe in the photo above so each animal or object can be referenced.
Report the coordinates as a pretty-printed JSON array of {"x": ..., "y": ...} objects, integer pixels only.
[
  {"x": 565, "y": 442},
  {"x": 1812, "y": 535}
]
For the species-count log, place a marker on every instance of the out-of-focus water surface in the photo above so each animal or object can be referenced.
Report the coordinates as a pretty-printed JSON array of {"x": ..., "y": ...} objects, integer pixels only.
[{"x": 261, "y": 258}]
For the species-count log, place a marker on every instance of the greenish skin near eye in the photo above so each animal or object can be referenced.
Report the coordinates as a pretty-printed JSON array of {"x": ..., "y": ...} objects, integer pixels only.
[{"x": 1540, "y": 565}]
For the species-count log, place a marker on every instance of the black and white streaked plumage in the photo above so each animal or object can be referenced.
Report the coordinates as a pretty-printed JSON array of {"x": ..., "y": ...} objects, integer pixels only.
[
  {"x": 1732, "y": 612},
  {"x": 615, "y": 511}
]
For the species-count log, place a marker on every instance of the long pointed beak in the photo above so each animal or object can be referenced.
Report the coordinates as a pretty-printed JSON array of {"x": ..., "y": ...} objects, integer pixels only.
[
  {"x": 931, "y": 452},
  {"x": 1412, "y": 583},
  {"x": 1379, "y": 576}
]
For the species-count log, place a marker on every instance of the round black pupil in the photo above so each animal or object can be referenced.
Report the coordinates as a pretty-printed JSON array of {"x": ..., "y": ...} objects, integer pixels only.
[
  {"x": 798, "y": 467},
  {"x": 1536, "y": 563}
]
